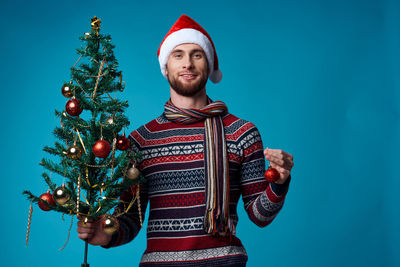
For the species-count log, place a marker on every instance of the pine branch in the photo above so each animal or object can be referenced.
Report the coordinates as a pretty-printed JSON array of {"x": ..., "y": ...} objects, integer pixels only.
[
  {"x": 62, "y": 134},
  {"x": 49, "y": 182},
  {"x": 60, "y": 148},
  {"x": 30, "y": 196},
  {"x": 51, "y": 150},
  {"x": 53, "y": 167},
  {"x": 69, "y": 122}
]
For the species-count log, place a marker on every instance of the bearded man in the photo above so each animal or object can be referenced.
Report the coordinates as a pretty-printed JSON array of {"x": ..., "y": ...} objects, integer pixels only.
[{"x": 198, "y": 159}]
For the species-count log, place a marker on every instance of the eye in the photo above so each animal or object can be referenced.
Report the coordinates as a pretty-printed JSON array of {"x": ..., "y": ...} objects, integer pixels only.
[{"x": 198, "y": 55}]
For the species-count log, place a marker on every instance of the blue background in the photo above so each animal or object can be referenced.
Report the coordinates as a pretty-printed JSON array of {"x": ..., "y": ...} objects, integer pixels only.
[{"x": 320, "y": 79}]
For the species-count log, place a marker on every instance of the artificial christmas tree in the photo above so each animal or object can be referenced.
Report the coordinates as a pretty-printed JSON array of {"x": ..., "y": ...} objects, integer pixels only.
[{"x": 95, "y": 174}]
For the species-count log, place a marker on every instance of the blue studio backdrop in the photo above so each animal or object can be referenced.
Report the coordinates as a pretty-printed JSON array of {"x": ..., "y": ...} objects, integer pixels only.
[{"x": 320, "y": 80}]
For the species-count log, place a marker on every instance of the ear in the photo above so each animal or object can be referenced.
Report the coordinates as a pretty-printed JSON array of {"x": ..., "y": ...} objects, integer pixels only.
[{"x": 166, "y": 70}]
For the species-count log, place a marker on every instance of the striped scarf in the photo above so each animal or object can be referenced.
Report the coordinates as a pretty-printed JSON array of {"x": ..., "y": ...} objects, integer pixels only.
[{"x": 216, "y": 169}]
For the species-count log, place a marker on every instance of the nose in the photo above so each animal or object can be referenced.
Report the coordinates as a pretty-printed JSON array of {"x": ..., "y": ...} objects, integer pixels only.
[{"x": 187, "y": 62}]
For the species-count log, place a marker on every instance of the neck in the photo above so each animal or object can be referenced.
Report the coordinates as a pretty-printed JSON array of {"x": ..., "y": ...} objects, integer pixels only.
[{"x": 197, "y": 101}]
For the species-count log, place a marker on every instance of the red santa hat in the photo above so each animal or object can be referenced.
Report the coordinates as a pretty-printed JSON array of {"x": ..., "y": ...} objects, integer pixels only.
[{"x": 186, "y": 30}]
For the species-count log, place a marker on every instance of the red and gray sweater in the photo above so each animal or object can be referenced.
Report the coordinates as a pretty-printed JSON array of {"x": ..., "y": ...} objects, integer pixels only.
[{"x": 173, "y": 165}]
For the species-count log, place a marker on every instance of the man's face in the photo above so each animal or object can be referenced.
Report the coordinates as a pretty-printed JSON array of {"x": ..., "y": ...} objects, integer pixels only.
[{"x": 187, "y": 69}]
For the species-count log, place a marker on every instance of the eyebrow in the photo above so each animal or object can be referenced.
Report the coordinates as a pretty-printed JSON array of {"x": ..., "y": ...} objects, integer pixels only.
[{"x": 192, "y": 51}]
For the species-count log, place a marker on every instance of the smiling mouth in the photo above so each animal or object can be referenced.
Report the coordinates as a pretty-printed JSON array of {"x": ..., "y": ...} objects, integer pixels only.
[{"x": 188, "y": 76}]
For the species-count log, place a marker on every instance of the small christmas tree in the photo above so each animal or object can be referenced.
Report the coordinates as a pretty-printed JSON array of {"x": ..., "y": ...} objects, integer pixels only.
[{"x": 96, "y": 163}]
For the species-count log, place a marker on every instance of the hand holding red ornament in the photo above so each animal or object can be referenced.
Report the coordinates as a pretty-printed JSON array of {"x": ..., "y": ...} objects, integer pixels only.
[{"x": 281, "y": 161}]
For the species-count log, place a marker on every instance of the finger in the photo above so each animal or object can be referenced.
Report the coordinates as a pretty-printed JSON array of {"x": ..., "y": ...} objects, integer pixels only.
[
  {"x": 87, "y": 225},
  {"x": 283, "y": 162},
  {"x": 274, "y": 165},
  {"x": 82, "y": 230},
  {"x": 287, "y": 159},
  {"x": 282, "y": 171},
  {"x": 279, "y": 168},
  {"x": 278, "y": 153},
  {"x": 84, "y": 236},
  {"x": 85, "y": 229},
  {"x": 269, "y": 151},
  {"x": 274, "y": 152},
  {"x": 275, "y": 160},
  {"x": 287, "y": 155}
]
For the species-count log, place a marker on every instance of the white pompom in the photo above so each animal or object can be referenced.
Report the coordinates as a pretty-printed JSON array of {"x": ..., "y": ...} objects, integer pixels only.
[{"x": 216, "y": 76}]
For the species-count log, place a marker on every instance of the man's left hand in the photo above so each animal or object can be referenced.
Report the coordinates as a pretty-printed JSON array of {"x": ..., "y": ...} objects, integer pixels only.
[{"x": 281, "y": 161}]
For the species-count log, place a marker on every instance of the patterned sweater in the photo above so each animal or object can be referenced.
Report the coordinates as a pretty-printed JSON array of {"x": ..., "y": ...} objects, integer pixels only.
[{"x": 173, "y": 164}]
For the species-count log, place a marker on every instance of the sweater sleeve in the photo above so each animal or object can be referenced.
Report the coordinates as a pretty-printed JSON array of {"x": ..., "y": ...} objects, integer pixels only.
[
  {"x": 129, "y": 223},
  {"x": 262, "y": 200}
]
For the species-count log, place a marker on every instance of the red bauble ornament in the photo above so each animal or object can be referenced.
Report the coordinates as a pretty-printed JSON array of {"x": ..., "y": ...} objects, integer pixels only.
[
  {"x": 123, "y": 142},
  {"x": 272, "y": 175},
  {"x": 47, "y": 197},
  {"x": 101, "y": 149},
  {"x": 73, "y": 107}
]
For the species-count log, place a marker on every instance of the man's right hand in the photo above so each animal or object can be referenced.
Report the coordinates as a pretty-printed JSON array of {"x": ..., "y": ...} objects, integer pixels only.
[{"x": 92, "y": 230}]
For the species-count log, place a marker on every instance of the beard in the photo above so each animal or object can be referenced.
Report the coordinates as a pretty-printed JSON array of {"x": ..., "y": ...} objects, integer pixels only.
[{"x": 187, "y": 89}]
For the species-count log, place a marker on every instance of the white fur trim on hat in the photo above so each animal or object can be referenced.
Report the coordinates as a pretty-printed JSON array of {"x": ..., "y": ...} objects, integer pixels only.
[{"x": 192, "y": 36}]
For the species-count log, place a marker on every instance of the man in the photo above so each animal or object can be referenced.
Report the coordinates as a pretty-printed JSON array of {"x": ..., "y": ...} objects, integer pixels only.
[{"x": 197, "y": 159}]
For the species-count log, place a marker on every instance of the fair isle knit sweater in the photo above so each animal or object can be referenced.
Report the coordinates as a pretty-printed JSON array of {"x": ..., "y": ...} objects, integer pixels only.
[{"x": 173, "y": 165}]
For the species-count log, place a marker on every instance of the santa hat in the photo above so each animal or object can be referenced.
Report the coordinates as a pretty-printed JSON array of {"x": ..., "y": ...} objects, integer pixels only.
[{"x": 186, "y": 30}]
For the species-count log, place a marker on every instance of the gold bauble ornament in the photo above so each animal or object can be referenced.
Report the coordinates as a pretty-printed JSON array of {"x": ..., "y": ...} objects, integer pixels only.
[
  {"x": 110, "y": 224},
  {"x": 66, "y": 90},
  {"x": 61, "y": 195},
  {"x": 132, "y": 173},
  {"x": 74, "y": 152}
]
